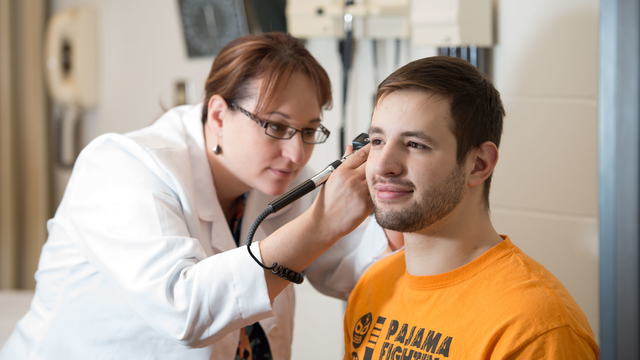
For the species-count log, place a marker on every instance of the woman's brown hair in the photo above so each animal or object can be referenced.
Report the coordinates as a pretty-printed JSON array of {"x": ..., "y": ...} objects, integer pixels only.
[{"x": 270, "y": 57}]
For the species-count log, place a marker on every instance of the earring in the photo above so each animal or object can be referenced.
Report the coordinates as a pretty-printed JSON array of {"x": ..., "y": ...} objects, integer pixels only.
[{"x": 217, "y": 149}]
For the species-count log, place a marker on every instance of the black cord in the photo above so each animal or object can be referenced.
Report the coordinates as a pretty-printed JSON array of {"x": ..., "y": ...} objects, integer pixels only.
[{"x": 276, "y": 269}]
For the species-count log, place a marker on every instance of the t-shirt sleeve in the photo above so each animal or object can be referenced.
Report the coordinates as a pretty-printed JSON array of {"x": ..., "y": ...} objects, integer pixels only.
[{"x": 557, "y": 344}]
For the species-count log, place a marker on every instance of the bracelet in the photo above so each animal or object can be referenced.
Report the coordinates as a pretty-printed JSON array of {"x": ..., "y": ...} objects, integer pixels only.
[{"x": 281, "y": 271}]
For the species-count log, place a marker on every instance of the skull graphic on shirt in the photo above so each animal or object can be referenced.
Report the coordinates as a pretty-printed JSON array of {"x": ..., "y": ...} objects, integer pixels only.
[{"x": 361, "y": 329}]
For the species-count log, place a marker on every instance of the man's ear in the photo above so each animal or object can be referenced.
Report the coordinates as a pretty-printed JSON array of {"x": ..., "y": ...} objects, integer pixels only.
[
  {"x": 217, "y": 109},
  {"x": 484, "y": 160}
]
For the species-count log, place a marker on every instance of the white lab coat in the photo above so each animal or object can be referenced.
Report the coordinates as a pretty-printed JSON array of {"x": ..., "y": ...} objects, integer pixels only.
[{"x": 140, "y": 262}]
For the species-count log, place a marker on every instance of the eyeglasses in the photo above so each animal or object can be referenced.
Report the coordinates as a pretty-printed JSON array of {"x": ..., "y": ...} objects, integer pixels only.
[{"x": 284, "y": 132}]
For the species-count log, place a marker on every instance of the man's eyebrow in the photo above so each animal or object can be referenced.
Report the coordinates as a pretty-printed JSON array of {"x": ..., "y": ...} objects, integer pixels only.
[
  {"x": 375, "y": 130},
  {"x": 415, "y": 134},
  {"x": 419, "y": 135}
]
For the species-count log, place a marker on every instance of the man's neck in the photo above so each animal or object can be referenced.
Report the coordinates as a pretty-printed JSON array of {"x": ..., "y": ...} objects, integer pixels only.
[{"x": 452, "y": 242}]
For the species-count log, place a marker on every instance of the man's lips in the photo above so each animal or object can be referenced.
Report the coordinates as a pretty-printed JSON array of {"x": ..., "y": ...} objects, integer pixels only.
[{"x": 391, "y": 192}]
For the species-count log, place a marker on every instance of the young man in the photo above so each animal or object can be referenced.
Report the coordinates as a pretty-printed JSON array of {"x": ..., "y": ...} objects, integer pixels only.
[{"x": 459, "y": 290}]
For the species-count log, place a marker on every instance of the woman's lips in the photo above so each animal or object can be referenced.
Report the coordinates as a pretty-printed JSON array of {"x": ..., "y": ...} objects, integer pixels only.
[
  {"x": 282, "y": 173},
  {"x": 391, "y": 192}
]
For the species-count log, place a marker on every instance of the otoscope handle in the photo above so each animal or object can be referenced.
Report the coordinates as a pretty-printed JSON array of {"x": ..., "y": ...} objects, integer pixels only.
[
  {"x": 292, "y": 195},
  {"x": 304, "y": 188}
]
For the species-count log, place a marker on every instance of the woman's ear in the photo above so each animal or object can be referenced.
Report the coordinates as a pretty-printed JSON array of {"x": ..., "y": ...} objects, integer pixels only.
[
  {"x": 216, "y": 112},
  {"x": 484, "y": 159}
]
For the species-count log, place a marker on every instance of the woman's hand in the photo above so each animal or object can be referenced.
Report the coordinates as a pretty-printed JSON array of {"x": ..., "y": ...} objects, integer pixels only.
[
  {"x": 344, "y": 200},
  {"x": 342, "y": 204}
]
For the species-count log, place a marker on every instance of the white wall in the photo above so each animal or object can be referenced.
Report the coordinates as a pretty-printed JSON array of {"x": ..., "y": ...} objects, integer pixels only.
[{"x": 544, "y": 193}]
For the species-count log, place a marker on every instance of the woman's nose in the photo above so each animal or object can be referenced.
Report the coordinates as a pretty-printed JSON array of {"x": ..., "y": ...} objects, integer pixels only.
[{"x": 294, "y": 148}]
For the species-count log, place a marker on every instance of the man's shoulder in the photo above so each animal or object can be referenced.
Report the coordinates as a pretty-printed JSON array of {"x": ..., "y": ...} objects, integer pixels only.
[
  {"x": 535, "y": 294},
  {"x": 535, "y": 284}
]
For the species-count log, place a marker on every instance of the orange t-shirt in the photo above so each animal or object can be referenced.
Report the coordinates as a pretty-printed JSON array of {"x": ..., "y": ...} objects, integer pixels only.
[{"x": 502, "y": 305}]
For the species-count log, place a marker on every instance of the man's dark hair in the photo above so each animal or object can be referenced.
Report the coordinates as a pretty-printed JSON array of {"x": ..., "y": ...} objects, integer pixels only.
[{"x": 476, "y": 107}]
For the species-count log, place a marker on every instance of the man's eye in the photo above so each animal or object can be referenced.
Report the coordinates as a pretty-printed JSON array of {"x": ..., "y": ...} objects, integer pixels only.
[
  {"x": 415, "y": 145},
  {"x": 376, "y": 142}
]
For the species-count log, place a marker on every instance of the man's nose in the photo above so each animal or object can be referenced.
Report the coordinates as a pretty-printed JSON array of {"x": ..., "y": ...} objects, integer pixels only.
[{"x": 389, "y": 162}]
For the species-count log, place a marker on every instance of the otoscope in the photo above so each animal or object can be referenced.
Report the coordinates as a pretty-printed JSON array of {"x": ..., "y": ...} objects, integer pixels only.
[{"x": 293, "y": 195}]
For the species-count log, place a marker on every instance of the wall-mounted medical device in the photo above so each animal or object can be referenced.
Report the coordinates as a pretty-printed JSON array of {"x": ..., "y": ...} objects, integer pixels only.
[
  {"x": 452, "y": 22},
  {"x": 426, "y": 22},
  {"x": 379, "y": 19},
  {"x": 72, "y": 76},
  {"x": 70, "y": 55}
]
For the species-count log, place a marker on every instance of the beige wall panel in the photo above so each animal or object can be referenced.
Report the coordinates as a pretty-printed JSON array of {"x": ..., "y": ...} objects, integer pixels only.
[
  {"x": 33, "y": 137},
  {"x": 566, "y": 246},
  {"x": 547, "y": 47},
  {"x": 318, "y": 326},
  {"x": 548, "y": 157},
  {"x": 8, "y": 181}
]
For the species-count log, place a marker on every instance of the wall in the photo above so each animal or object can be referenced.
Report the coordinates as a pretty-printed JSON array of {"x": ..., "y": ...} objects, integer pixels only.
[{"x": 544, "y": 193}]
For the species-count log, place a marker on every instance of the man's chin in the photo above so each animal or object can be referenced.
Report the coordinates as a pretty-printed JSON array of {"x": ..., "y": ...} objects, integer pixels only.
[{"x": 391, "y": 220}]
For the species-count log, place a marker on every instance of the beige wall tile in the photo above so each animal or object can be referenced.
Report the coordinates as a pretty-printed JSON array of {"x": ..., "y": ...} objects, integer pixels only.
[
  {"x": 566, "y": 246},
  {"x": 547, "y": 47},
  {"x": 548, "y": 157},
  {"x": 318, "y": 320}
]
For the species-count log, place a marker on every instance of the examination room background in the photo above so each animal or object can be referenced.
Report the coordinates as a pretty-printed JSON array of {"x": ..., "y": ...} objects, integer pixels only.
[{"x": 544, "y": 63}]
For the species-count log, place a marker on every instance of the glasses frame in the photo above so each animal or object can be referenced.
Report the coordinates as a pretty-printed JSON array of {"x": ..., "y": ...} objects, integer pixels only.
[{"x": 265, "y": 124}]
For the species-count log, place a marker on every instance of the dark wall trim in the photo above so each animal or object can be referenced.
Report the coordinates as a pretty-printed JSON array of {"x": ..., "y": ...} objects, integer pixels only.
[{"x": 619, "y": 163}]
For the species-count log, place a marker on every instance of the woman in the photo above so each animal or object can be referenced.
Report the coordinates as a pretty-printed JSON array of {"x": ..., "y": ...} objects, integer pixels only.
[{"x": 141, "y": 260}]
